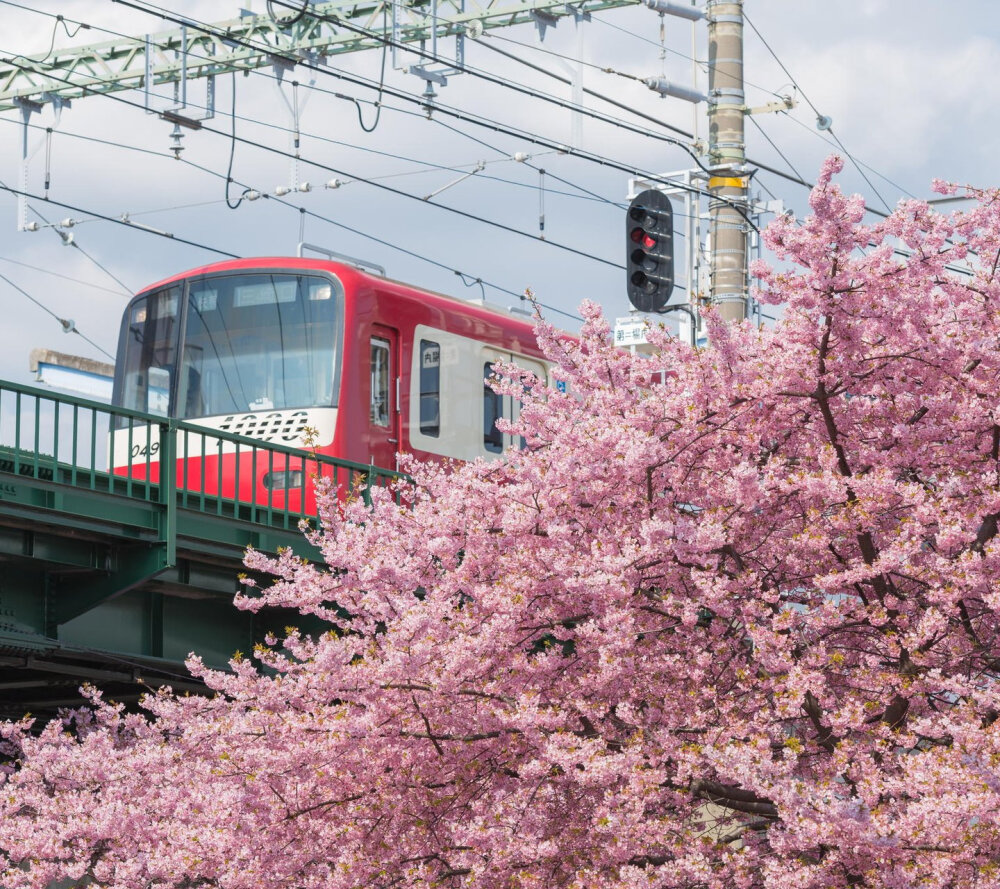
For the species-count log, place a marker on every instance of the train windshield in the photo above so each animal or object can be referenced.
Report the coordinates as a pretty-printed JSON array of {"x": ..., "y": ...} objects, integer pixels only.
[{"x": 232, "y": 344}]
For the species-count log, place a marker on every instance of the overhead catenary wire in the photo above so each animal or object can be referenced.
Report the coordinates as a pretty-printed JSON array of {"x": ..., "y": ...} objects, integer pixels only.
[
  {"x": 399, "y": 192},
  {"x": 365, "y": 235},
  {"x": 701, "y": 63},
  {"x": 206, "y": 28},
  {"x": 118, "y": 221},
  {"x": 67, "y": 325},
  {"x": 44, "y": 271},
  {"x": 579, "y": 192},
  {"x": 457, "y": 113},
  {"x": 59, "y": 20},
  {"x": 801, "y": 92},
  {"x": 438, "y": 107},
  {"x": 73, "y": 243},
  {"x": 812, "y": 131},
  {"x": 603, "y": 161},
  {"x": 780, "y": 153},
  {"x": 313, "y": 214},
  {"x": 153, "y": 9}
]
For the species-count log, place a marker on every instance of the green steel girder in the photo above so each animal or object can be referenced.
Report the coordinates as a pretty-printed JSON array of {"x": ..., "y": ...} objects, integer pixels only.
[
  {"x": 255, "y": 41},
  {"x": 53, "y": 550},
  {"x": 128, "y": 567}
]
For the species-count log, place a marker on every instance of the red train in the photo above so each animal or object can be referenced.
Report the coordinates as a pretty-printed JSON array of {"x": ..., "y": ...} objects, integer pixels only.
[{"x": 303, "y": 352}]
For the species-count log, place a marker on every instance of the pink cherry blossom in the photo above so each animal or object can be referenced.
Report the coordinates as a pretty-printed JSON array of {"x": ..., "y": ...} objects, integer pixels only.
[{"x": 729, "y": 620}]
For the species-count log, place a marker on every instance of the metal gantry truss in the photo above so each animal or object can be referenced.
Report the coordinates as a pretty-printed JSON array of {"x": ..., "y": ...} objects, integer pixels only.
[{"x": 196, "y": 49}]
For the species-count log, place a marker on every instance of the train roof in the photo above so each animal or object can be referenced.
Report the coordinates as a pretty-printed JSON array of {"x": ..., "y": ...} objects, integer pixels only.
[{"x": 348, "y": 273}]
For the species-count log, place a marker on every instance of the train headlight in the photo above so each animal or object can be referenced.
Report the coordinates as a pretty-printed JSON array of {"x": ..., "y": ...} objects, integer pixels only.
[{"x": 283, "y": 479}]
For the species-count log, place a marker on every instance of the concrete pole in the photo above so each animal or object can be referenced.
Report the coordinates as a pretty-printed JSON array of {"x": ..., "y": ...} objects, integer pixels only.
[{"x": 727, "y": 158}]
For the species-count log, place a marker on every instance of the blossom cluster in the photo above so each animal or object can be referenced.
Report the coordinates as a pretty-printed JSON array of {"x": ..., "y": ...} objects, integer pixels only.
[{"x": 729, "y": 619}]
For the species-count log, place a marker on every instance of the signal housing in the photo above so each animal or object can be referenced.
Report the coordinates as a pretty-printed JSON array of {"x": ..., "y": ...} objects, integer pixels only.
[{"x": 649, "y": 244}]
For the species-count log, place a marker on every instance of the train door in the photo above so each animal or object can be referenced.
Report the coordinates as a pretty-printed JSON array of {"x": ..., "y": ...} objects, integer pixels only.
[
  {"x": 496, "y": 407},
  {"x": 384, "y": 413}
]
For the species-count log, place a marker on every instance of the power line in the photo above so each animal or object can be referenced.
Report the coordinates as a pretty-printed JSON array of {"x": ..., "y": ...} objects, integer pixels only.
[
  {"x": 843, "y": 148},
  {"x": 388, "y": 188},
  {"x": 475, "y": 119},
  {"x": 121, "y": 222},
  {"x": 37, "y": 268},
  {"x": 701, "y": 63},
  {"x": 153, "y": 9},
  {"x": 421, "y": 101},
  {"x": 67, "y": 325},
  {"x": 207, "y": 28},
  {"x": 73, "y": 243},
  {"x": 367, "y": 236},
  {"x": 832, "y": 144},
  {"x": 430, "y": 165},
  {"x": 145, "y": 6},
  {"x": 781, "y": 154}
]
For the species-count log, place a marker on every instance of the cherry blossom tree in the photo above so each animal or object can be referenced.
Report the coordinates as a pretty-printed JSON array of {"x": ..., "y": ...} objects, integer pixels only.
[{"x": 730, "y": 619}]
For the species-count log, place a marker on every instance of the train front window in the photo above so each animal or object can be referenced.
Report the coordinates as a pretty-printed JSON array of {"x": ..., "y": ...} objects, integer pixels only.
[
  {"x": 259, "y": 343},
  {"x": 149, "y": 352}
]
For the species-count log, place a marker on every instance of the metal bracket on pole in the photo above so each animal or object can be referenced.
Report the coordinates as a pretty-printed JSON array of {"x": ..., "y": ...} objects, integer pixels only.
[
  {"x": 443, "y": 68},
  {"x": 785, "y": 103},
  {"x": 542, "y": 21},
  {"x": 295, "y": 109},
  {"x": 179, "y": 107},
  {"x": 28, "y": 108}
]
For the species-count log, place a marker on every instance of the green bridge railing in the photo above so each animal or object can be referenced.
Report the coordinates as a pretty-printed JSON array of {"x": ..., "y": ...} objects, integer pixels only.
[{"x": 63, "y": 440}]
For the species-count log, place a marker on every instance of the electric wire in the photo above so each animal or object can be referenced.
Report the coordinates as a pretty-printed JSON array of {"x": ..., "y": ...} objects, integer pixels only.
[
  {"x": 443, "y": 266},
  {"x": 430, "y": 165},
  {"x": 390, "y": 189},
  {"x": 106, "y": 218},
  {"x": 476, "y": 119},
  {"x": 208, "y": 29},
  {"x": 74, "y": 244},
  {"x": 470, "y": 118},
  {"x": 499, "y": 81},
  {"x": 296, "y": 16},
  {"x": 285, "y": 129},
  {"x": 232, "y": 153},
  {"x": 603, "y": 161},
  {"x": 781, "y": 154},
  {"x": 367, "y": 236},
  {"x": 151, "y": 8},
  {"x": 868, "y": 167},
  {"x": 702, "y": 64},
  {"x": 67, "y": 325},
  {"x": 843, "y": 148},
  {"x": 44, "y": 271},
  {"x": 59, "y": 20},
  {"x": 591, "y": 92},
  {"x": 381, "y": 83},
  {"x": 319, "y": 217}
]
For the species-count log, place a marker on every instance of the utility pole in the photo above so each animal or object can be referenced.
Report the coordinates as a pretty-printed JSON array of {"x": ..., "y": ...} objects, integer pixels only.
[{"x": 727, "y": 159}]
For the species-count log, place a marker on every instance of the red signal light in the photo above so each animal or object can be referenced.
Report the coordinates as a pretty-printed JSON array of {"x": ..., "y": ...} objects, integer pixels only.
[{"x": 643, "y": 238}]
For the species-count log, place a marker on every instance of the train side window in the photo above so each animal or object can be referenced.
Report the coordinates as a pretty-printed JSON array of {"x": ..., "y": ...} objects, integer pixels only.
[
  {"x": 492, "y": 411},
  {"x": 380, "y": 376},
  {"x": 430, "y": 388}
]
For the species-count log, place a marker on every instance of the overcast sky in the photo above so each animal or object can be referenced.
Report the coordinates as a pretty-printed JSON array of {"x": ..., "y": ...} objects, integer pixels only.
[{"x": 908, "y": 88}]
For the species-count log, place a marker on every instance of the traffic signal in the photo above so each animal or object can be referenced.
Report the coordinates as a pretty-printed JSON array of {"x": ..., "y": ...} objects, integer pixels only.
[{"x": 649, "y": 226}]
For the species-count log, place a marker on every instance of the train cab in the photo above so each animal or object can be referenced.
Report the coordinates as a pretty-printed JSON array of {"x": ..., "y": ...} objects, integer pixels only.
[{"x": 308, "y": 356}]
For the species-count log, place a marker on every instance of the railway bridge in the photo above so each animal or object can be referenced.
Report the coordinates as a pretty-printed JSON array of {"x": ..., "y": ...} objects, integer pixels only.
[{"x": 111, "y": 576}]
